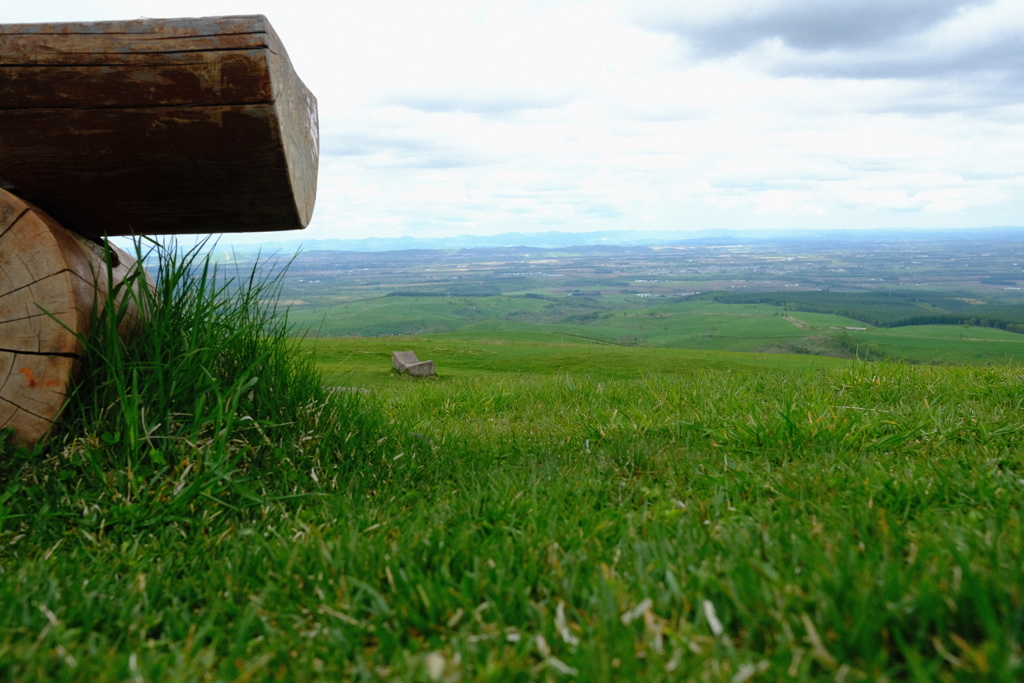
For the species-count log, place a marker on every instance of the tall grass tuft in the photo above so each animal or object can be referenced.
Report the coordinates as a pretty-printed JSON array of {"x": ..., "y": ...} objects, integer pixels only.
[{"x": 207, "y": 408}]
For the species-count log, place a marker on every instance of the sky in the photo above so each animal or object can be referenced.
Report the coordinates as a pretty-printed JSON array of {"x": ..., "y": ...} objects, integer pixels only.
[{"x": 459, "y": 117}]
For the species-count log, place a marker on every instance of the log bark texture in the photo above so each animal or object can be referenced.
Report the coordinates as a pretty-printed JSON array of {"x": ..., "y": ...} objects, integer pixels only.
[
  {"x": 50, "y": 280},
  {"x": 157, "y": 126}
]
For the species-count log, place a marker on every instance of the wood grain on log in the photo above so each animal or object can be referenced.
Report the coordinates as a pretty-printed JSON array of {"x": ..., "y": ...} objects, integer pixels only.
[
  {"x": 50, "y": 279},
  {"x": 157, "y": 126}
]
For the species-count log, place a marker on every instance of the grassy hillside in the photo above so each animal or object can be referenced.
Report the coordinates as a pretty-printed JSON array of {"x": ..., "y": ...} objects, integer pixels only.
[
  {"x": 695, "y": 325},
  {"x": 828, "y": 297},
  {"x": 548, "y": 509},
  {"x": 494, "y": 355}
]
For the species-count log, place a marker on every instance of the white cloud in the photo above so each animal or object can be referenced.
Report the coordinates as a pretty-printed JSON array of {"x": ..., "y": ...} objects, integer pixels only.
[{"x": 477, "y": 117}]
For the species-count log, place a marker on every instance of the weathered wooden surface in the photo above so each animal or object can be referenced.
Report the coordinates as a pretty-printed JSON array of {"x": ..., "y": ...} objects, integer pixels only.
[
  {"x": 49, "y": 281},
  {"x": 157, "y": 126}
]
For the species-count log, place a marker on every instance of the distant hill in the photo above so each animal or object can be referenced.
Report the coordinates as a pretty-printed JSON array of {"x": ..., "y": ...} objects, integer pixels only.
[
  {"x": 556, "y": 239},
  {"x": 553, "y": 239}
]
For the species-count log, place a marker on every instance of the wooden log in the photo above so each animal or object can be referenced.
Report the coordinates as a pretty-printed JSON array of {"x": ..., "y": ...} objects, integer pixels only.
[
  {"x": 50, "y": 279},
  {"x": 157, "y": 126}
]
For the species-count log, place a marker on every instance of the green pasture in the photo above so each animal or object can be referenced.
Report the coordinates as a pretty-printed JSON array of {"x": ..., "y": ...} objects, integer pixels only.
[
  {"x": 697, "y": 325},
  {"x": 409, "y": 315},
  {"x": 692, "y": 327},
  {"x": 363, "y": 362},
  {"x": 946, "y": 343},
  {"x": 547, "y": 509}
]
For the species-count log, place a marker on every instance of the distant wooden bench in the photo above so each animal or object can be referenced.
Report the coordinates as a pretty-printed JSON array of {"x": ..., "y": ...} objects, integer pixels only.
[
  {"x": 155, "y": 126},
  {"x": 407, "y": 362}
]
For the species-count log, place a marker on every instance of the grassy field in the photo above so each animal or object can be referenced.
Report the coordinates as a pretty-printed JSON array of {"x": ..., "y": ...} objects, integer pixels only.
[
  {"x": 694, "y": 325},
  {"x": 495, "y": 355},
  {"x": 672, "y": 515},
  {"x": 947, "y": 343}
]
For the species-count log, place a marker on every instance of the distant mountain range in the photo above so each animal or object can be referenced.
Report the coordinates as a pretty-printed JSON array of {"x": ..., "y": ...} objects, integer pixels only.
[{"x": 555, "y": 239}]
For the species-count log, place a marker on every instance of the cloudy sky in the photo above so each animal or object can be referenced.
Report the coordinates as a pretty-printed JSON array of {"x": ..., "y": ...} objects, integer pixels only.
[{"x": 468, "y": 117}]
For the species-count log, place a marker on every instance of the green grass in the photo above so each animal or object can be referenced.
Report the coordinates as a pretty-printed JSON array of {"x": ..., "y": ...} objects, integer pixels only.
[
  {"x": 947, "y": 343},
  {"x": 409, "y": 315},
  {"x": 679, "y": 515},
  {"x": 495, "y": 355},
  {"x": 698, "y": 325},
  {"x": 198, "y": 414}
]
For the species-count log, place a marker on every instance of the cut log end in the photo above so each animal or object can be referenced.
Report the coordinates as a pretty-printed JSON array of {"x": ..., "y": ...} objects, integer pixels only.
[{"x": 50, "y": 280}]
